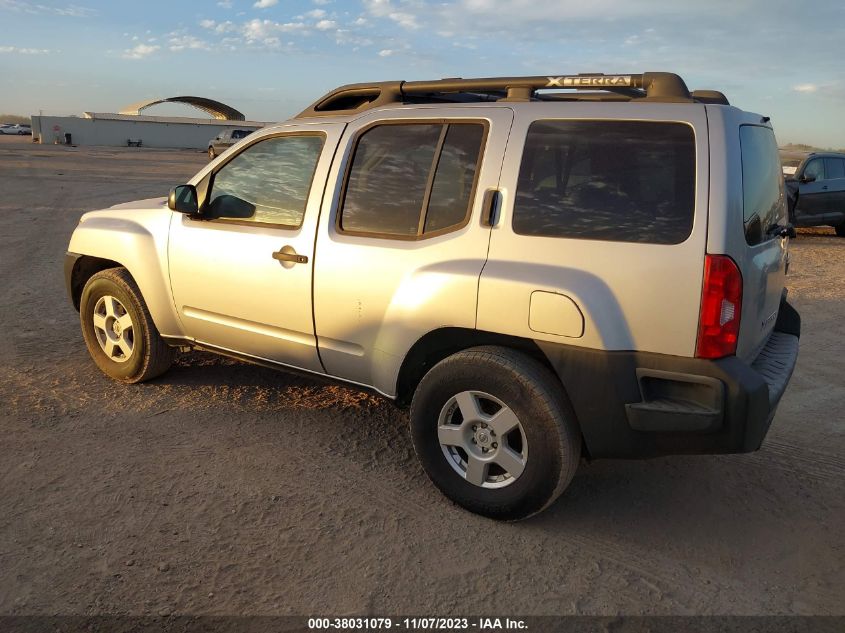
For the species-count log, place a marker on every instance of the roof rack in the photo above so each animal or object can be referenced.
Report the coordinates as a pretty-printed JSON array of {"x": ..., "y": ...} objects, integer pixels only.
[{"x": 651, "y": 86}]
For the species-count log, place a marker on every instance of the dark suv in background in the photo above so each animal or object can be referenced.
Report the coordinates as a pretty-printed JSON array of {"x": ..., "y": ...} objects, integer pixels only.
[{"x": 816, "y": 191}]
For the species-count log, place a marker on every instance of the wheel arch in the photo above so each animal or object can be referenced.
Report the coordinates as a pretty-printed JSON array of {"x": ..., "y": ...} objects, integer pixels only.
[
  {"x": 81, "y": 269},
  {"x": 438, "y": 344}
]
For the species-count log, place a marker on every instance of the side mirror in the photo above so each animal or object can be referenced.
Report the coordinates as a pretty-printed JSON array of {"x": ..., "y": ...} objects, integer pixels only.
[
  {"x": 809, "y": 178},
  {"x": 183, "y": 199}
]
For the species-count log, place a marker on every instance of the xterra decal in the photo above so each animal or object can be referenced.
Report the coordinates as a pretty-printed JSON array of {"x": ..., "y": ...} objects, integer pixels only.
[{"x": 597, "y": 80}]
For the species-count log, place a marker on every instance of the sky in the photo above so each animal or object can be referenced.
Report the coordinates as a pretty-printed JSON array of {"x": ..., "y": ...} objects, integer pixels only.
[{"x": 271, "y": 58}]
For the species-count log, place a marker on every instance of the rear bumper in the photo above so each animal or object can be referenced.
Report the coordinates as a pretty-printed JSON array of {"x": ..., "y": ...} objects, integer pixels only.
[{"x": 638, "y": 405}]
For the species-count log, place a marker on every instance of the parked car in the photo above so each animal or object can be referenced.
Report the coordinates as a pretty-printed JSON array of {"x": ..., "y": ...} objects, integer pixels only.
[
  {"x": 16, "y": 129},
  {"x": 541, "y": 275},
  {"x": 816, "y": 191},
  {"x": 224, "y": 141}
]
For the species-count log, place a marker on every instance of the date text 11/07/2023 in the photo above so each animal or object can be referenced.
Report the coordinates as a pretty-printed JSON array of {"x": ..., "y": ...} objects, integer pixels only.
[{"x": 417, "y": 624}]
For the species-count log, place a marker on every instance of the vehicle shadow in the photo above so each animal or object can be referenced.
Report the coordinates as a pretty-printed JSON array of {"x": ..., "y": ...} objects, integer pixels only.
[{"x": 742, "y": 503}]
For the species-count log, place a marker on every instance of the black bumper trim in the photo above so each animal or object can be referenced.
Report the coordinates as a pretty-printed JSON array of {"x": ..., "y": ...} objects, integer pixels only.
[
  {"x": 603, "y": 387},
  {"x": 775, "y": 363}
]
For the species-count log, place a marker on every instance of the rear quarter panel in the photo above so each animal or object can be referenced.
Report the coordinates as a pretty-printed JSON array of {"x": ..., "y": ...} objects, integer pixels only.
[{"x": 633, "y": 296}]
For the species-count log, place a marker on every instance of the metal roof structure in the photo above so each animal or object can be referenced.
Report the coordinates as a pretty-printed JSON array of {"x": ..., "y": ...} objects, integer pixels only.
[{"x": 216, "y": 109}]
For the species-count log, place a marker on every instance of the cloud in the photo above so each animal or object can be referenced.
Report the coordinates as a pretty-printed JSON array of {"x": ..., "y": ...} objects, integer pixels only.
[
  {"x": 385, "y": 52},
  {"x": 74, "y": 11},
  {"x": 140, "y": 52},
  {"x": 344, "y": 37},
  {"x": 219, "y": 27},
  {"x": 495, "y": 16},
  {"x": 265, "y": 4},
  {"x": 404, "y": 17},
  {"x": 225, "y": 4},
  {"x": 530, "y": 10},
  {"x": 179, "y": 42},
  {"x": 24, "y": 51},
  {"x": 265, "y": 32},
  {"x": 316, "y": 14},
  {"x": 805, "y": 88},
  {"x": 71, "y": 10},
  {"x": 325, "y": 25}
]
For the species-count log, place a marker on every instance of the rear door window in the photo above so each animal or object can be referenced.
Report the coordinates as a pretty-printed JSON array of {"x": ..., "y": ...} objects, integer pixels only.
[
  {"x": 623, "y": 181},
  {"x": 762, "y": 182},
  {"x": 412, "y": 180},
  {"x": 834, "y": 168}
]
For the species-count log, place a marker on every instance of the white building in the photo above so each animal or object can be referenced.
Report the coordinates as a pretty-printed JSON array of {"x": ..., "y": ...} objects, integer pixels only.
[{"x": 131, "y": 127}]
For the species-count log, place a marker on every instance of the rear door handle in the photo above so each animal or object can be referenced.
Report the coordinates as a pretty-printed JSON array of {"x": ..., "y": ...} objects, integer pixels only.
[
  {"x": 288, "y": 256},
  {"x": 489, "y": 206}
]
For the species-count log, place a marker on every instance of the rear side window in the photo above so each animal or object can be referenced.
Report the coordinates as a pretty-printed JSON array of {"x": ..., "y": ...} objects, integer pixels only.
[
  {"x": 762, "y": 182},
  {"x": 834, "y": 168},
  {"x": 412, "y": 180},
  {"x": 623, "y": 181}
]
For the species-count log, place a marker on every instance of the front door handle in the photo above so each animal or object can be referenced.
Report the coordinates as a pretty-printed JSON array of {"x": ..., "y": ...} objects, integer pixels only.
[{"x": 287, "y": 254}]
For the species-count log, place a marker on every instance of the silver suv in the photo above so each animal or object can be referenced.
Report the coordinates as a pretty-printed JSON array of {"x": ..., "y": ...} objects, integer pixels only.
[{"x": 544, "y": 268}]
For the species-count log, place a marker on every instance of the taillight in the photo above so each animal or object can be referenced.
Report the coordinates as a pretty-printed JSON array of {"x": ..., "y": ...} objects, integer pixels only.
[{"x": 721, "y": 303}]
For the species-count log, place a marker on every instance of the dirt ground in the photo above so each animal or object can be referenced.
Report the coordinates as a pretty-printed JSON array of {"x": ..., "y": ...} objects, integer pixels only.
[{"x": 224, "y": 488}]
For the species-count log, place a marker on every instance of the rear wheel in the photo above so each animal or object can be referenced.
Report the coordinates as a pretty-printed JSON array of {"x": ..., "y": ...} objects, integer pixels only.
[
  {"x": 120, "y": 334},
  {"x": 840, "y": 230},
  {"x": 495, "y": 432}
]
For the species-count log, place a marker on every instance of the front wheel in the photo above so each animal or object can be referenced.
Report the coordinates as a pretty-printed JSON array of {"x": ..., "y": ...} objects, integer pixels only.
[
  {"x": 211, "y": 154},
  {"x": 118, "y": 330},
  {"x": 495, "y": 432},
  {"x": 840, "y": 229}
]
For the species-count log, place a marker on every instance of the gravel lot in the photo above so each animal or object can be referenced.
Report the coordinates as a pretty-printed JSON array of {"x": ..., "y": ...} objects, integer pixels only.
[{"x": 224, "y": 488}]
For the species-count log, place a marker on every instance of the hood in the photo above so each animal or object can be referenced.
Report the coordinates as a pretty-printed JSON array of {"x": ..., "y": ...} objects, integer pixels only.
[{"x": 149, "y": 203}]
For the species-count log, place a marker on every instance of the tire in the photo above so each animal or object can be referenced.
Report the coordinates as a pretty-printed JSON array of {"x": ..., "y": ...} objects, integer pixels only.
[
  {"x": 840, "y": 229},
  {"x": 136, "y": 350},
  {"x": 211, "y": 154},
  {"x": 497, "y": 384}
]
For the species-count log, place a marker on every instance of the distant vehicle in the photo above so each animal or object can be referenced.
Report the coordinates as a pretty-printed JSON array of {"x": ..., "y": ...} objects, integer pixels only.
[
  {"x": 16, "y": 129},
  {"x": 790, "y": 166},
  {"x": 224, "y": 141},
  {"x": 816, "y": 191}
]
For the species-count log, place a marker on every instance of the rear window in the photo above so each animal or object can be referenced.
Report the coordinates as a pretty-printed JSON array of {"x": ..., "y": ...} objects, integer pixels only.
[
  {"x": 762, "y": 182},
  {"x": 622, "y": 181}
]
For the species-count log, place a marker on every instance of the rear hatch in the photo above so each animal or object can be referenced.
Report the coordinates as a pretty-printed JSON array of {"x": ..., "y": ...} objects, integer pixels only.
[{"x": 762, "y": 253}]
